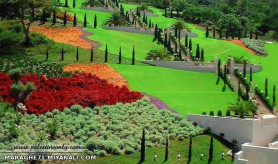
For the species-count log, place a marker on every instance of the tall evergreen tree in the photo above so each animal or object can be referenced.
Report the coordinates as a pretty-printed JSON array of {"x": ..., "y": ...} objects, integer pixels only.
[
  {"x": 220, "y": 33},
  {"x": 245, "y": 33},
  {"x": 43, "y": 16},
  {"x": 207, "y": 32},
  {"x": 202, "y": 55},
  {"x": 66, "y": 3},
  {"x": 133, "y": 56},
  {"x": 179, "y": 35},
  {"x": 256, "y": 35},
  {"x": 85, "y": 20},
  {"x": 251, "y": 75},
  {"x": 74, "y": 20},
  {"x": 190, "y": 44},
  {"x": 155, "y": 31},
  {"x": 233, "y": 149},
  {"x": 165, "y": 40},
  {"x": 176, "y": 32},
  {"x": 251, "y": 34},
  {"x": 169, "y": 45},
  {"x": 239, "y": 34},
  {"x": 77, "y": 54},
  {"x": 219, "y": 68},
  {"x": 190, "y": 149},
  {"x": 73, "y": 4},
  {"x": 150, "y": 23},
  {"x": 266, "y": 87},
  {"x": 180, "y": 56},
  {"x": 146, "y": 20},
  {"x": 274, "y": 96},
  {"x": 54, "y": 17},
  {"x": 210, "y": 150},
  {"x": 186, "y": 41},
  {"x": 142, "y": 150},
  {"x": 62, "y": 53},
  {"x": 95, "y": 21},
  {"x": 244, "y": 68},
  {"x": 198, "y": 52},
  {"x": 144, "y": 17},
  {"x": 214, "y": 32},
  {"x": 106, "y": 54},
  {"x": 65, "y": 18},
  {"x": 227, "y": 33},
  {"x": 47, "y": 54},
  {"x": 176, "y": 47},
  {"x": 166, "y": 150},
  {"x": 92, "y": 55},
  {"x": 120, "y": 55}
]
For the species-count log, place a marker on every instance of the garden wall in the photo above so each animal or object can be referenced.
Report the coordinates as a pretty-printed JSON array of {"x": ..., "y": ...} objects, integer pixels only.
[{"x": 233, "y": 128}]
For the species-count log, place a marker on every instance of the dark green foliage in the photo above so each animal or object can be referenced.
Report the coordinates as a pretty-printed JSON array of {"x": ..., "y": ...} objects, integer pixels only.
[
  {"x": 266, "y": 87},
  {"x": 66, "y": 3},
  {"x": 54, "y": 17},
  {"x": 219, "y": 113},
  {"x": 179, "y": 35},
  {"x": 239, "y": 34},
  {"x": 85, "y": 20},
  {"x": 165, "y": 40},
  {"x": 244, "y": 68},
  {"x": 65, "y": 18},
  {"x": 150, "y": 23},
  {"x": 190, "y": 45},
  {"x": 15, "y": 74},
  {"x": 256, "y": 35},
  {"x": 95, "y": 21},
  {"x": 142, "y": 150},
  {"x": 219, "y": 68},
  {"x": 186, "y": 41},
  {"x": 228, "y": 113},
  {"x": 207, "y": 32},
  {"x": 204, "y": 113},
  {"x": 120, "y": 55},
  {"x": 53, "y": 128},
  {"x": 190, "y": 150},
  {"x": 47, "y": 54},
  {"x": 73, "y": 4},
  {"x": 155, "y": 31},
  {"x": 74, "y": 20},
  {"x": 62, "y": 53},
  {"x": 233, "y": 149},
  {"x": 251, "y": 34},
  {"x": 214, "y": 32},
  {"x": 21, "y": 91},
  {"x": 210, "y": 150},
  {"x": 171, "y": 14},
  {"x": 211, "y": 113},
  {"x": 166, "y": 149},
  {"x": 202, "y": 55},
  {"x": 43, "y": 16},
  {"x": 220, "y": 33},
  {"x": 165, "y": 13},
  {"x": 133, "y": 56},
  {"x": 92, "y": 55},
  {"x": 245, "y": 33},
  {"x": 274, "y": 96},
  {"x": 176, "y": 32},
  {"x": 144, "y": 17},
  {"x": 106, "y": 54},
  {"x": 198, "y": 52},
  {"x": 180, "y": 56},
  {"x": 251, "y": 75},
  {"x": 227, "y": 33},
  {"x": 77, "y": 54}
]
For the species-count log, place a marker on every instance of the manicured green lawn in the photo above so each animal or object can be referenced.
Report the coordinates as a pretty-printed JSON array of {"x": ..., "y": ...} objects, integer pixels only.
[
  {"x": 183, "y": 91},
  {"x": 200, "y": 145},
  {"x": 114, "y": 39}
]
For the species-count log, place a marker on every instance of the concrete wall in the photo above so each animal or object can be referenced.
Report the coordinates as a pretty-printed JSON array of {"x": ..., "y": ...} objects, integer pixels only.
[
  {"x": 233, "y": 128},
  {"x": 260, "y": 155}
]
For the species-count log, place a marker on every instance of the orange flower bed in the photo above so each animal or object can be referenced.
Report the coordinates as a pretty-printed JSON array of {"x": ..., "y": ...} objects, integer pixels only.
[
  {"x": 61, "y": 16},
  {"x": 70, "y": 35},
  {"x": 103, "y": 71},
  {"x": 240, "y": 43}
]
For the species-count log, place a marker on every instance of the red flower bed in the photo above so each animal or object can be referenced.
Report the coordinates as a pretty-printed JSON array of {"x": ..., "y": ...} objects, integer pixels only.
[{"x": 83, "y": 89}]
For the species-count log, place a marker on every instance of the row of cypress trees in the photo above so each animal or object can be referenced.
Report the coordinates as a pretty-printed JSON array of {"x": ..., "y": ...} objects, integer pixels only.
[{"x": 92, "y": 55}]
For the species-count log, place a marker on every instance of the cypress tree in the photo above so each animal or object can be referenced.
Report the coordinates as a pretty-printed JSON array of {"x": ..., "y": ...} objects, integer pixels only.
[
  {"x": 144, "y": 17},
  {"x": 65, "y": 18},
  {"x": 186, "y": 41},
  {"x": 227, "y": 33},
  {"x": 220, "y": 33},
  {"x": 47, "y": 54},
  {"x": 190, "y": 149},
  {"x": 180, "y": 54},
  {"x": 85, "y": 20},
  {"x": 214, "y": 32},
  {"x": 146, "y": 20},
  {"x": 207, "y": 32},
  {"x": 266, "y": 87},
  {"x": 142, "y": 159},
  {"x": 256, "y": 36},
  {"x": 251, "y": 75},
  {"x": 155, "y": 31},
  {"x": 190, "y": 45},
  {"x": 210, "y": 150},
  {"x": 165, "y": 40},
  {"x": 62, "y": 53},
  {"x": 73, "y": 4},
  {"x": 54, "y": 17},
  {"x": 165, "y": 14},
  {"x": 225, "y": 73},
  {"x": 43, "y": 16},
  {"x": 150, "y": 23},
  {"x": 92, "y": 55},
  {"x": 176, "y": 32},
  {"x": 77, "y": 54},
  {"x": 133, "y": 56},
  {"x": 120, "y": 55},
  {"x": 106, "y": 54},
  {"x": 202, "y": 55},
  {"x": 251, "y": 34},
  {"x": 171, "y": 14},
  {"x": 244, "y": 69},
  {"x": 179, "y": 36},
  {"x": 176, "y": 47},
  {"x": 166, "y": 150},
  {"x": 66, "y": 3},
  {"x": 74, "y": 20},
  {"x": 219, "y": 68},
  {"x": 274, "y": 96},
  {"x": 198, "y": 52},
  {"x": 95, "y": 21},
  {"x": 239, "y": 34},
  {"x": 169, "y": 46}
]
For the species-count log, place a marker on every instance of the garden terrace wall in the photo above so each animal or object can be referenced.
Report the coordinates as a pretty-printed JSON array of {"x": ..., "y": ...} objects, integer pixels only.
[{"x": 130, "y": 29}]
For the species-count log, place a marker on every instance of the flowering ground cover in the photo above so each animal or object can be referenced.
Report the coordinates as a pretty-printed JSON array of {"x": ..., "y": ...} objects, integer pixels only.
[
  {"x": 83, "y": 89},
  {"x": 103, "y": 71}
]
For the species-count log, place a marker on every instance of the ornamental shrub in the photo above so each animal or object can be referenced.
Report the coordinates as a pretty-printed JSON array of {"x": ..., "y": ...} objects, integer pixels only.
[
  {"x": 211, "y": 113},
  {"x": 219, "y": 113},
  {"x": 255, "y": 45}
]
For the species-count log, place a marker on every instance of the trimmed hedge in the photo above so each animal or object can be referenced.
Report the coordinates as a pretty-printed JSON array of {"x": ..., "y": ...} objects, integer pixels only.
[
  {"x": 263, "y": 98},
  {"x": 255, "y": 45}
]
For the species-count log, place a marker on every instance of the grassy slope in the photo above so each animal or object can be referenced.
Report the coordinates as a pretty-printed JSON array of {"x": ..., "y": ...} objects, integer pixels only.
[
  {"x": 200, "y": 145},
  {"x": 186, "y": 92},
  {"x": 143, "y": 43}
]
